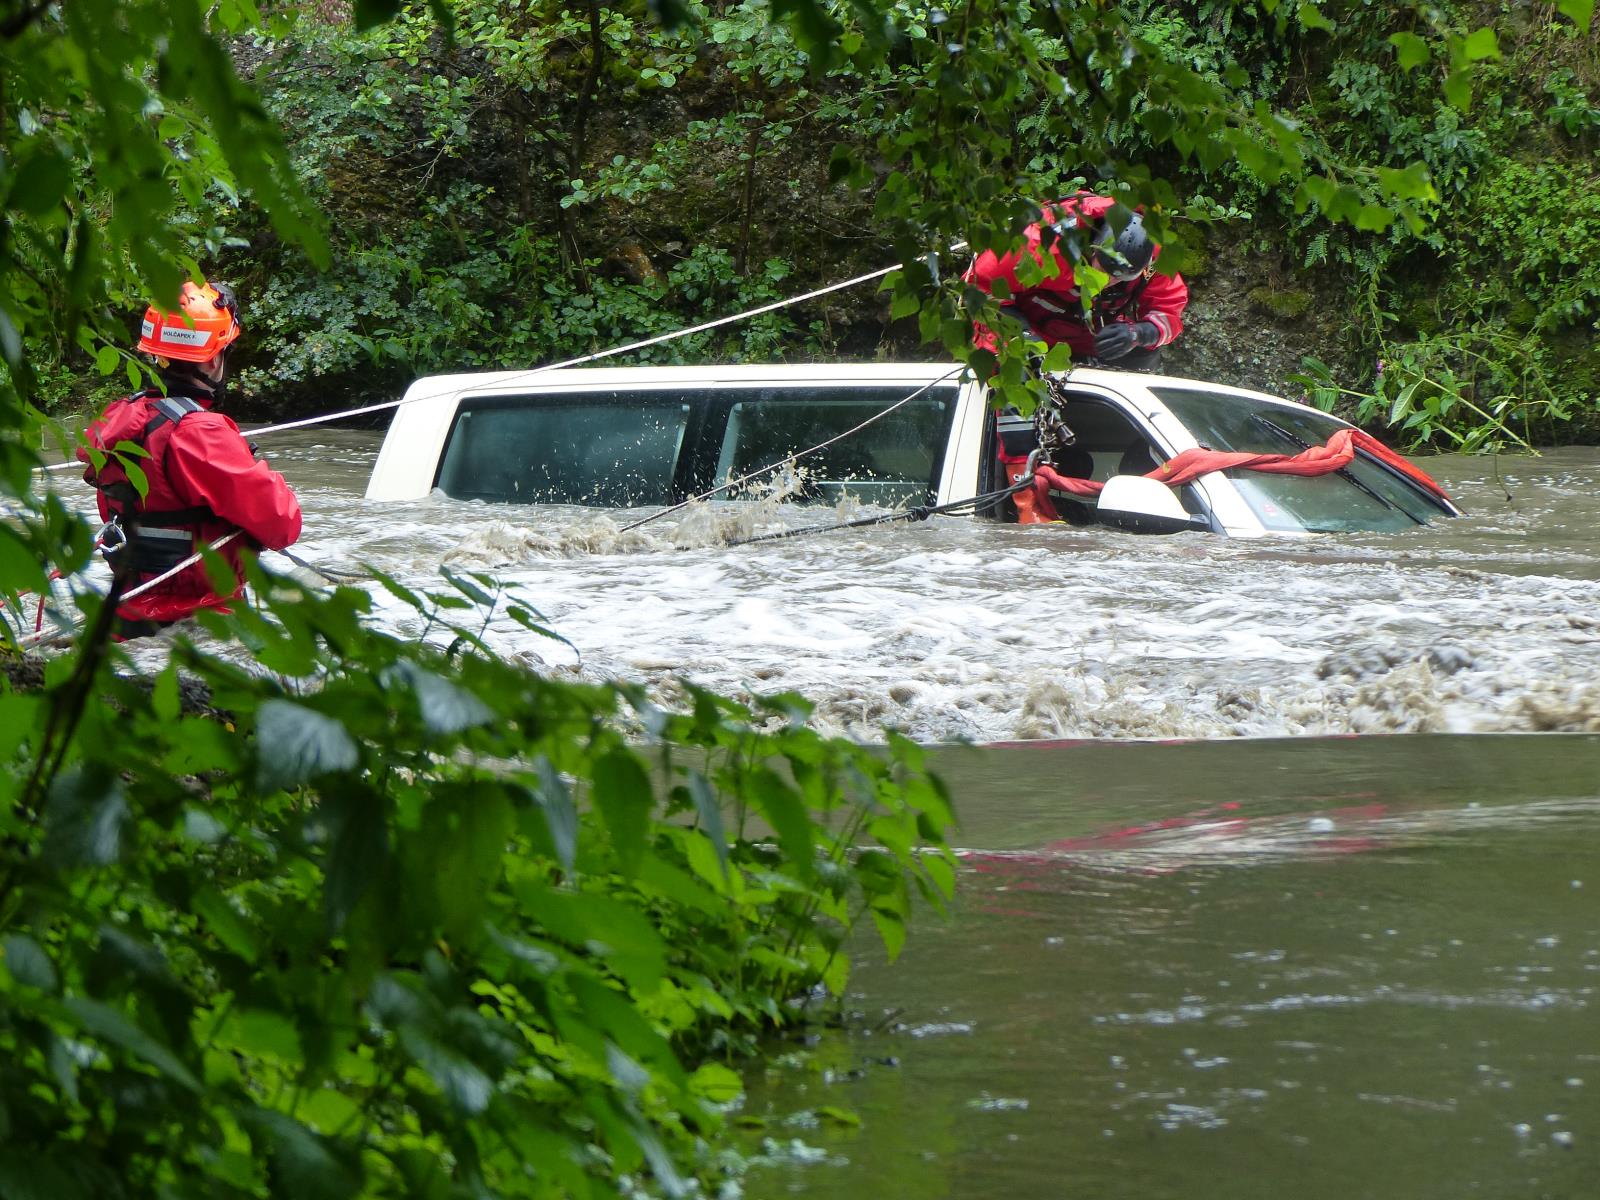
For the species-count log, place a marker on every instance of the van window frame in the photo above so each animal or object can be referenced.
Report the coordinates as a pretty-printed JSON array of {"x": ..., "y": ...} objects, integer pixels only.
[{"x": 709, "y": 408}]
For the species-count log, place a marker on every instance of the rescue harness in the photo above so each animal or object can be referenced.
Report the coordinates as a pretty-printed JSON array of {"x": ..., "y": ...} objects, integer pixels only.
[{"x": 146, "y": 541}]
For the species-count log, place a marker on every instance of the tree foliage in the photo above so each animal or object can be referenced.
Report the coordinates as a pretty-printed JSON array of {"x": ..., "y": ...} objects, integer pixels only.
[
  {"x": 519, "y": 183},
  {"x": 388, "y": 921},
  {"x": 383, "y": 916}
]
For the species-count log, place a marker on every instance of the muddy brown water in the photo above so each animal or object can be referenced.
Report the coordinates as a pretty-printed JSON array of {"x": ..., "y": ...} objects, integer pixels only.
[{"x": 1209, "y": 940}]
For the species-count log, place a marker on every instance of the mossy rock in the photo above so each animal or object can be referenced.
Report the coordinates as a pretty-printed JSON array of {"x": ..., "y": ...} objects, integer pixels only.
[
  {"x": 1421, "y": 315},
  {"x": 1286, "y": 304},
  {"x": 1575, "y": 366},
  {"x": 1522, "y": 315},
  {"x": 1195, "y": 262}
]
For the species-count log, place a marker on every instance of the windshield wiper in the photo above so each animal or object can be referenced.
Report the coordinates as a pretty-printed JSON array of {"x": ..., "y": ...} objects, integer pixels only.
[{"x": 1342, "y": 472}]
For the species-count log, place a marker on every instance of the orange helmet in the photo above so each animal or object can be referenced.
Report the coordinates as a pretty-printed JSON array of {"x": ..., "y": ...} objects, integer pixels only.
[{"x": 206, "y": 324}]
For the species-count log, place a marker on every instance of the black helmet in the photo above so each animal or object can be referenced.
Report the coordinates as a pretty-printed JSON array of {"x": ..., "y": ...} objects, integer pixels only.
[{"x": 1125, "y": 255}]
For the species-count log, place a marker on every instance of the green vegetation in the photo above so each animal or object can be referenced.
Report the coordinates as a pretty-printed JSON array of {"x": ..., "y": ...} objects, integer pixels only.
[
  {"x": 383, "y": 916},
  {"x": 543, "y": 186},
  {"x": 401, "y": 923}
]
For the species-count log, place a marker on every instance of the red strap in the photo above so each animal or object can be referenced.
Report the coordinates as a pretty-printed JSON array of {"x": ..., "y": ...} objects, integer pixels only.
[
  {"x": 1409, "y": 469},
  {"x": 1191, "y": 464},
  {"x": 1316, "y": 460}
]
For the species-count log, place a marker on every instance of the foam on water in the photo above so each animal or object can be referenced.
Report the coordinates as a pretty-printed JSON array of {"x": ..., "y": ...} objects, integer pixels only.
[{"x": 956, "y": 628}]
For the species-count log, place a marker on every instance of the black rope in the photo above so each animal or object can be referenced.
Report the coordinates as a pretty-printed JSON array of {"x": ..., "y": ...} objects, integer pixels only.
[
  {"x": 328, "y": 573},
  {"x": 920, "y": 512}
]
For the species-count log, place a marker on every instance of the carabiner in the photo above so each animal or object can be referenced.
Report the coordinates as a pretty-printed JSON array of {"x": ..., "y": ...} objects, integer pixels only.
[{"x": 111, "y": 537}]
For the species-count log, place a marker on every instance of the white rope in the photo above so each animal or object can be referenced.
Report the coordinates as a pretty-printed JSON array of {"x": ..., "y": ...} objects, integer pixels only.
[
  {"x": 571, "y": 362},
  {"x": 535, "y": 371},
  {"x": 44, "y": 634}
]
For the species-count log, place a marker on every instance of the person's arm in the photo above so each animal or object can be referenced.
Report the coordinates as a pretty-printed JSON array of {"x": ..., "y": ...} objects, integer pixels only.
[
  {"x": 209, "y": 462},
  {"x": 985, "y": 269},
  {"x": 1161, "y": 304}
]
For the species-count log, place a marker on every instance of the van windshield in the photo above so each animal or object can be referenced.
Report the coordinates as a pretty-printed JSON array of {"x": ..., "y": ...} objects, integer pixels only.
[
  {"x": 1364, "y": 496},
  {"x": 632, "y": 447}
]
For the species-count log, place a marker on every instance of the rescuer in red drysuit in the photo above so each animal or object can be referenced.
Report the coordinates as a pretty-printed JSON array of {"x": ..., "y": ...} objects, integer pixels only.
[
  {"x": 1136, "y": 314},
  {"x": 204, "y": 480}
]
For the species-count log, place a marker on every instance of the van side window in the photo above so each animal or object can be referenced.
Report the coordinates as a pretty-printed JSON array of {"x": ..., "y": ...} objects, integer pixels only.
[
  {"x": 895, "y": 459},
  {"x": 632, "y": 447},
  {"x": 565, "y": 450}
]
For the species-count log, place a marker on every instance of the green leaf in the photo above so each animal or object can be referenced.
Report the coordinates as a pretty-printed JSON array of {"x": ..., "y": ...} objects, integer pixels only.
[
  {"x": 84, "y": 817},
  {"x": 164, "y": 700},
  {"x": 1310, "y": 17},
  {"x": 20, "y": 567},
  {"x": 1412, "y": 183},
  {"x": 786, "y": 812},
  {"x": 41, "y": 184},
  {"x": 467, "y": 587},
  {"x": 891, "y": 929},
  {"x": 905, "y": 304},
  {"x": 467, "y": 864},
  {"x": 305, "y": 1164},
  {"x": 601, "y": 927},
  {"x": 110, "y": 1025},
  {"x": 263, "y": 1033},
  {"x": 28, "y": 963},
  {"x": 1580, "y": 11},
  {"x": 940, "y": 873},
  {"x": 1410, "y": 50},
  {"x": 464, "y": 1084},
  {"x": 1058, "y": 358},
  {"x": 1458, "y": 88},
  {"x": 396, "y": 589},
  {"x": 708, "y": 812},
  {"x": 225, "y": 923},
  {"x": 624, "y": 797},
  {"x": 358, "y": 855},
  {"x": 446, "y": 708},
  {"x": 1402, "y": 402},
  {"x": 372, "y": 13},
  {"x": 1374, "y": 217},
  {"x": 608, "y": 1012},
  {"x": 26, "y": 1175},
  {"x": 716, "y": 1083},
  {"x": 560, "y": 814},
  {"x": 1480, "y": 44},
  {"x": 296, "y": 743}
]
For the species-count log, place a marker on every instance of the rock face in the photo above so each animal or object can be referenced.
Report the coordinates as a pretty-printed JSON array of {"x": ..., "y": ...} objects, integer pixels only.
[
  {"x": 25, "y": 673},
  {"x": 1251, "y": 320}
]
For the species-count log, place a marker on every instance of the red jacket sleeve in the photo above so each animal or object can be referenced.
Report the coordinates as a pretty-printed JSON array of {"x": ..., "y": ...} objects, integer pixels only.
[
  {"x": 210, "y": 464},
  {"x": 1162, "y": 303}
]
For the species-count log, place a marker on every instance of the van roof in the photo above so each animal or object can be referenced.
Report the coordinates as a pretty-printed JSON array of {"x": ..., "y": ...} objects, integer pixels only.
[{"x": 566, "y": 377}]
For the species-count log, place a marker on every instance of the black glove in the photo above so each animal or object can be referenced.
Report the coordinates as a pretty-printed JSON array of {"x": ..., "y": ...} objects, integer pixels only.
[{"x": 1121, "y": 338}]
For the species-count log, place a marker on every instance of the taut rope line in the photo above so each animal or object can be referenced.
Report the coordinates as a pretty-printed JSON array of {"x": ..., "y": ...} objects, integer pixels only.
[
  {"x": 571, "y": 362},
  {"x": 34, "y": 639}
]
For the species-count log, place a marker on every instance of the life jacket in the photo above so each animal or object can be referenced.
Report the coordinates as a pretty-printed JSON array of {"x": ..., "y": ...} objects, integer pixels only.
[{"x": 156, "y": 540}]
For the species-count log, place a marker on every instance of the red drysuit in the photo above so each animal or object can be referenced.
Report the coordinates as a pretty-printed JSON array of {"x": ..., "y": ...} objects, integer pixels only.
[
  {"x": 203, "y": 481},
  {"x": 1053, "y": 307}
]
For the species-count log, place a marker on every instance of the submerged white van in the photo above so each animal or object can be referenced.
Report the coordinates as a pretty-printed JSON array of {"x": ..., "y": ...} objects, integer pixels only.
[{"x": 638, "y": 437}]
